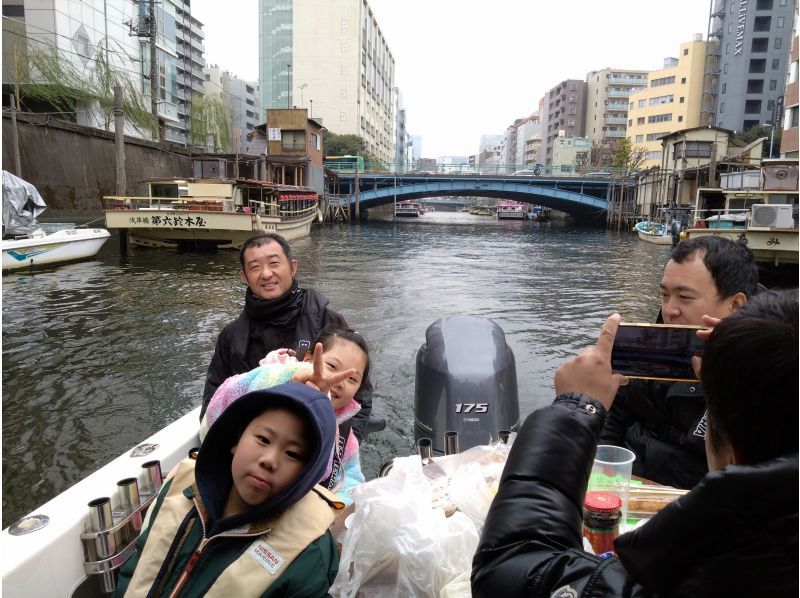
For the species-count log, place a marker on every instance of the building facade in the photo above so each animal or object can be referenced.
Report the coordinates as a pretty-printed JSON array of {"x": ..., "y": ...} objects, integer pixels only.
[
  {"x": 401, "y": 160},
  {"x": 789, "y": 139},
  {"x": 189, "y": 62},
  {"x": 565, "y": 153},
  {"x": 241, "y": 101},
  {"x": 562, "y": 114},
  {"x": 670, "y": 102},
  {"x": 333, "y": 56},
  {"x": 607, "y": 97},
  {"x": 746, "y": 62}
]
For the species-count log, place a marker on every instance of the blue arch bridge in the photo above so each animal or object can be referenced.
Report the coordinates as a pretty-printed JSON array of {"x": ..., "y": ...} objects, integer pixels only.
[{"x": 585, "y": 198}]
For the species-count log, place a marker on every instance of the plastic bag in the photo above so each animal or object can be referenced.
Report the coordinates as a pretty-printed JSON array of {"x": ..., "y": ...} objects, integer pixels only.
[{"x": 398, "y": 543}]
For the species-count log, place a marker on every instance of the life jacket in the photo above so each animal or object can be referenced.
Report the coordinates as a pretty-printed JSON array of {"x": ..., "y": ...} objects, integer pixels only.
[{"x": 273, "y": 545}]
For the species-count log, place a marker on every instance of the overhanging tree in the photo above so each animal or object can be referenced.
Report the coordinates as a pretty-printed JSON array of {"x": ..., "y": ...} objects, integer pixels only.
[{"x": 628, "y": 157}]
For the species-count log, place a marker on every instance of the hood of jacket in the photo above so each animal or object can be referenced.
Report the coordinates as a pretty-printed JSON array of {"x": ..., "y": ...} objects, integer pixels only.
[{"x": 213, "y": 467}]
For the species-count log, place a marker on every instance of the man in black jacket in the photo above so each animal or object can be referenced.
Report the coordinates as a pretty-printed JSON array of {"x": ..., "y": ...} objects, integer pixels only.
[
  {"x": 734, "y": 534},
  {"x": 663, "y": 423},
  {"x": 277, "y": 314}
]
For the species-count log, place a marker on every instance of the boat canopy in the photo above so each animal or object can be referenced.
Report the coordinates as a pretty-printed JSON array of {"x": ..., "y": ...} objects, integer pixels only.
[{"x": 22, "y": 205}]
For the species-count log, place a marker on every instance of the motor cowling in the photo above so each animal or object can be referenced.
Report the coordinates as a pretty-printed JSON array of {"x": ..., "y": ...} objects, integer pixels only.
[{"x": 466, "y": 382}]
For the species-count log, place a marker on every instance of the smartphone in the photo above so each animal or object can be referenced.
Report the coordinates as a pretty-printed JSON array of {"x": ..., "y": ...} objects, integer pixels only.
[{"x": 656, "y": 351}]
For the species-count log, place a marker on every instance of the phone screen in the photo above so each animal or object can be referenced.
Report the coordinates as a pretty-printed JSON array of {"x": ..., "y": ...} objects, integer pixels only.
[{"x": 656, "y": 351}]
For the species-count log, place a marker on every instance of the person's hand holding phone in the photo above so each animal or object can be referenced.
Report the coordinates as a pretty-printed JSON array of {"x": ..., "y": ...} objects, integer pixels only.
[
  {"x": 704, "y": 335},
  {"x": 590, "y": 372}
]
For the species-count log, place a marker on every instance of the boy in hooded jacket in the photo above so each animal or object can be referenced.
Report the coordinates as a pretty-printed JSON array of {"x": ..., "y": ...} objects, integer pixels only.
[{"x": 247, "y": 518}]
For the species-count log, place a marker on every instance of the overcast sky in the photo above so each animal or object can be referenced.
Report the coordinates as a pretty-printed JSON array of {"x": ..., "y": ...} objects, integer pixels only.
[{"x": 467, "y": 68}]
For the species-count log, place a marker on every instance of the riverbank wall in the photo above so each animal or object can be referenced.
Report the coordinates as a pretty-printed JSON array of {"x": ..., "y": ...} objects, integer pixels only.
[{"x": 74, "y": 166}]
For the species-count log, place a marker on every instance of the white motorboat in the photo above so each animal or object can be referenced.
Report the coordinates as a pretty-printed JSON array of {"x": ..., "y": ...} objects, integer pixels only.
[
  {"x": 42, "y": 554},
  {"x": 27, "y": 243},
  {"x": 509, "y": 209},
  {"x": 653, "y": 232}
]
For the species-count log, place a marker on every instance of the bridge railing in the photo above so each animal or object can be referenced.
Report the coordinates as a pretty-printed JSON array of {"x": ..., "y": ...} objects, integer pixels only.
[{"x": 501, "y": 170}]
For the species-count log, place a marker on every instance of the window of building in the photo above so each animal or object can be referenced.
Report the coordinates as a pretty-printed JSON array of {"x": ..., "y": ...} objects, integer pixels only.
[
  {"x": 776, "y": 64},
  {"x": 730, "y": 27},
  {"x": 668, "y": 99},
  {"x": 757, "y": 65},
  {"x": 782, "y": 3},
  {"x": 293, "y": 140},
  {"x": 642, "y": 103},
  {"x": 315, "y": 141},
  {"x": 749, "y": 124},
  {"x": 762, "y": 23},
  {"x": 654, "y": 136},
  {"x": 770, "y": 105},
  {"x": 681, "y": 100},
  {"x": 653, "y": 155},
  {"x": 639, "y": 138},
  {"x": 683, "y": 80},
  {"x": 780, "y": 22},
  {"x": 764, "y": 5},
  {"x": 773, "y": 85},
  {"x": 658, "y": 118},
  {"x": 755, "y": 86},
  {"x": 680, "y": 119},
  {"x": 724, "y": 87},
  {"x": 630, "y": 122},
  {"x": 640, "y": 120},
  {"x": 752, "y": 107},
  {"x": 760, "y": 44},
  {"x": 662, "y": 81},
  {"x": 778, "y": 43},
  {"x": 686, "y": 51},
  {"x": 725, "y": 68},
  {"x": 727, "y": 48},
  {"x": 722, "y": 108},
  {"x": 793, "y": 114},
  {"x": 692, "y": 149}
]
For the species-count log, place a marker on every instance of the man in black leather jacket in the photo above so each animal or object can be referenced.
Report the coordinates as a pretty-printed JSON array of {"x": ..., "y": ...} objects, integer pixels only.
[
  {"x": 277, "y": 314},
  {"x": 663, "y": 423},
  {"x": 734, "y": 534}
]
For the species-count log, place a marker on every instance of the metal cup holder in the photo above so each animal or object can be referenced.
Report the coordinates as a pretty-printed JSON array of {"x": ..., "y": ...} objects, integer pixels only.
[{"x": 112, "y": 526}]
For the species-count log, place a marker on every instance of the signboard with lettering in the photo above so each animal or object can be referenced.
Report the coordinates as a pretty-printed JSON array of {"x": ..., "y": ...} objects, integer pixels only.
[{"x": 274, "y": 134}]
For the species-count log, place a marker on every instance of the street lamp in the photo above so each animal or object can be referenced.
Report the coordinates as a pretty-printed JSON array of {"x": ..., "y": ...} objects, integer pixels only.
[
  {"x": 301, "y": 88},
  {"x": 771, "y": 136},
  {"x": 288, "y": 85},
  {"x": 311, "y": 109}
]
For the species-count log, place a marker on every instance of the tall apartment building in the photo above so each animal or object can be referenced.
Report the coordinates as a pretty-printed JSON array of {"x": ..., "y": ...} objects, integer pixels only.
[
  {"x": 746, "y": 62},
  {"x": 401, "y": 142},
  {"x": 241, "y": 101},
  {"x": 670, "y": 102},
  {"x": 607, "y": 93},
  {"x": 335, "y": 52},
  {"x": 188, "y": 63},
  {"x": 529, "y": 137},
  {"x": 561, "y": 113},
  {"x": 789, "y": 139}
]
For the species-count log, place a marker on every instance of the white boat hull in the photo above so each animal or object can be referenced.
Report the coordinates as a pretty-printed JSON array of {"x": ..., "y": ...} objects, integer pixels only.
[
  {"x": 511, "y": 215},
  {"x": 50, "y": 561},
  {"x": 62, "y": 246},
  {"x": 657, "y": 239}
]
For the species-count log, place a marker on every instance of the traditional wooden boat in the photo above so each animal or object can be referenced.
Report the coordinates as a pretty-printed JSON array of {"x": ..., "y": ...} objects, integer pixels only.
[
  {"x": 211, "y": 213},
  {"x": 510, "y": 210}
]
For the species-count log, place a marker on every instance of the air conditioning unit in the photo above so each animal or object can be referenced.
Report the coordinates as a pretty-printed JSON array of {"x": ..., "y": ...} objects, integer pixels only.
[{"x": 773, "y": 216}]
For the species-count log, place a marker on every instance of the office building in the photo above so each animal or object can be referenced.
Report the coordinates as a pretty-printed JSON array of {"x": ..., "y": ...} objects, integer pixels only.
[
  {"x": 746, "y": 62},
  {"x": 566, "y": 153},
  {"x": 331, "y": 58},
  {"x": 241, "y": 102},
  {"x": 607, "y": 93},
  {"x": 670, "y": 102}
]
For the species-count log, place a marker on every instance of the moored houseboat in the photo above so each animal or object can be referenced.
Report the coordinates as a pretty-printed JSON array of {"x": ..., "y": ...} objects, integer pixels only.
[{"x": 509, "y": 209}]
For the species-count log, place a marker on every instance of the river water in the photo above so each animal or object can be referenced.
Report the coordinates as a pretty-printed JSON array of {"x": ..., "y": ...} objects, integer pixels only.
[{"x": 99, "y": 355}]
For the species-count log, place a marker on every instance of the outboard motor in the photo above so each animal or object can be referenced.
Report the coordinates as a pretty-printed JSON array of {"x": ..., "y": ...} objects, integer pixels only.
[{"x": 466, "y": 382}]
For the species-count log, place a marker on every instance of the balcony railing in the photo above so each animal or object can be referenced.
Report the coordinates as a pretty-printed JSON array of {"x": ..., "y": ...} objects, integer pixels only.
[
  {"x": 628, "y": 81},
  {"x": 616, "y": 120},
  {"x": 617, "y": 106}
]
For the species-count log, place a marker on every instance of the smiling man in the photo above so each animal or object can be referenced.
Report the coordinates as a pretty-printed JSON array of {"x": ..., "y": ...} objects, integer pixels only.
[
  {"x": 664, "y": 423},
  {"x": 277, "y": 314}
]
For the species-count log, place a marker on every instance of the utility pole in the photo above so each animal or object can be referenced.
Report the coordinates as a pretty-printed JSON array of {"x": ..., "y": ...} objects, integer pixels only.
[
  {"x": 154, "y": 71},
  {"x": 119, "y": 140},
  {"x": 15, "y": 141}
]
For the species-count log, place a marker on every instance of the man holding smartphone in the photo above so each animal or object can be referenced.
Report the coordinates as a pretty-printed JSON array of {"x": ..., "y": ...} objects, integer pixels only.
[{"x": 664, "y": 423}]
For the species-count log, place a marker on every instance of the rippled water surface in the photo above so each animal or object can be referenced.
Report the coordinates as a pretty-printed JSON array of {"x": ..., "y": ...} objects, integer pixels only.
[{"x": 99, "y": 355}]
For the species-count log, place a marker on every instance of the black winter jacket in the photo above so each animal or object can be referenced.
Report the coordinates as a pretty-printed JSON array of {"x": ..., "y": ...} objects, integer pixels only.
[
  {"x": 735, "y": 534},
  {"x": 664, "y": 424},
  {"x": 245, "y": 341}
]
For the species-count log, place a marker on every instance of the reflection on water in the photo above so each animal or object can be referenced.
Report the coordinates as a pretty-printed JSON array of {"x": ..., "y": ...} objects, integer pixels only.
[{"x": 99, "y": 355}]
